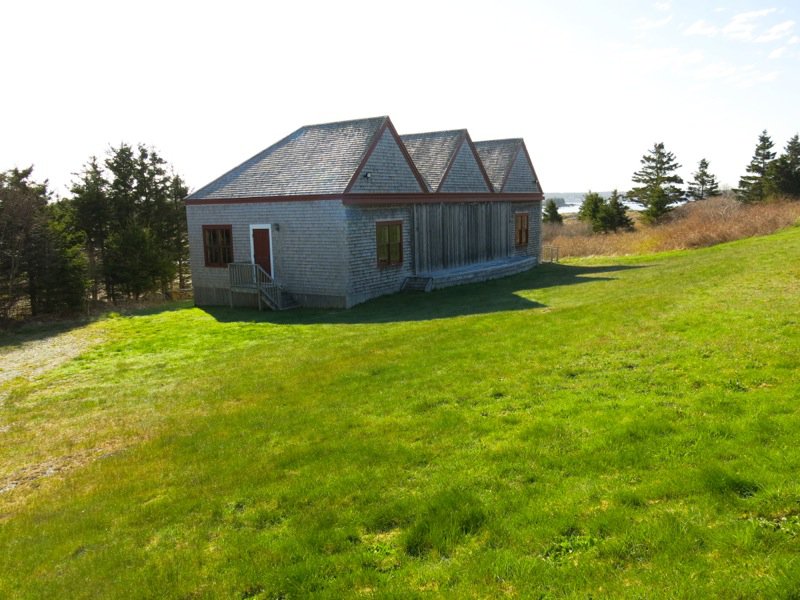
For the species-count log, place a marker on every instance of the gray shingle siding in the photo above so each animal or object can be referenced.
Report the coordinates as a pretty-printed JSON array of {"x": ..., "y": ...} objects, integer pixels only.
[
  {"x": 465, "y": 174},
  {"x": 308, "y": 247},
  {"x": 367, "y": 280},
  {"x": 496, "y": 156},
  {"x": 521, "y": 178},
  {"x": 432, "y": 151},
  {"x": 388, "y": 170},
  {"x": 534, "y": 210}
]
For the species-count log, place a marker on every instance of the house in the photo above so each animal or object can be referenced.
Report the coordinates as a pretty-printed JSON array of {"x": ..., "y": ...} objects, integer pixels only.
[{"x": 338, "y": 213}]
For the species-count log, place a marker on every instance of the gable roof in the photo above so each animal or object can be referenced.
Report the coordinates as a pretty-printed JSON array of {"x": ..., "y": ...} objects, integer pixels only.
[
  {"x": 498, "y": 158},
  {"x": 432, "y": 152},
  {"x": 367, "y": 156},
  {"x": 315, "y": 159}
]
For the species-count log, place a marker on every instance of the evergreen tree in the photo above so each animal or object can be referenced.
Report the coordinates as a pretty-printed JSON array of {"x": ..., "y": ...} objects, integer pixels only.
[
  {"x": 605, "y": 215},
  {"x": 55, "y": 262},
  {"x": 551, "y": 213},
  {"x": 21, "y": 204},
  {"x": 92, "y": 216},
  {"x": 613, "y": 215},
  {"x": 658, "y": 183},
  {"x": 754, "y": 187},
  {"x": 783, "y": 174},
  {"x": 590, "y": 208},
  {"x": 39, "y": 257},
  {"x": 135, "y": 201},
  {"x": 704, "y": 185}
]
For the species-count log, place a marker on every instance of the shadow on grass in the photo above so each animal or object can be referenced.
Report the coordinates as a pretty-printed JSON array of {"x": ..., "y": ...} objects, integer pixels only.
[
  {"x": 498, "y": 295},
  {"x": 32, "y": 331}
]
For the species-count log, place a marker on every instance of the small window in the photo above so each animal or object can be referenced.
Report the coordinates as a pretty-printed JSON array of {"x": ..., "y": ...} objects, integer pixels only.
[
  {"x": 521, "y": 229},
  {"x": 217, "y": 245},
  {"x": 389, "y": 236}
]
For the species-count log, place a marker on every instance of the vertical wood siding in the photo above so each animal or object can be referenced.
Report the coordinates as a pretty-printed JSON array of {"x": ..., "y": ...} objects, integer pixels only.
[{"x": 453, "y": 235}]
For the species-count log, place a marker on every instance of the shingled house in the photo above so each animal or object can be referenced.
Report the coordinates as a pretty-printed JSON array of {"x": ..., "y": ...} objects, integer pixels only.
[{"x": 338, "y": 213}]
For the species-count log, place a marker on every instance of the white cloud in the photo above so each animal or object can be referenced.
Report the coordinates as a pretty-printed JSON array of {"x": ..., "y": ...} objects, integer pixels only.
[
  {"x": 776, "y": 32},
  {"x": 742, "y": 26},
  {"x": 777, "y": 53},
  {"x": 794, "y": 40},
  {"x": 645, "y": 24},
  {"x": 701, "y": 28},
  {"x": 741, "y": 76},
  {"x": 663, "y": 6}
]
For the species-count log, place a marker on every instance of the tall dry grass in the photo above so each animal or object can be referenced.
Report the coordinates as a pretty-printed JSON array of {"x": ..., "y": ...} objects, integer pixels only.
[{"x": 693, "y": 225}]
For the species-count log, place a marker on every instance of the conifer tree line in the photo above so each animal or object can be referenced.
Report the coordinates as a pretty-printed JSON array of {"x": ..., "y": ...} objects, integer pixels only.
[
  {"x": 658, "y": 190},
  {"x": 120, "y": 234}
]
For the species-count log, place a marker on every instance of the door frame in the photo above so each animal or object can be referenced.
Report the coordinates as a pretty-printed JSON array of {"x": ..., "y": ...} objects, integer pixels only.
[{"x": 268, "y": 227}]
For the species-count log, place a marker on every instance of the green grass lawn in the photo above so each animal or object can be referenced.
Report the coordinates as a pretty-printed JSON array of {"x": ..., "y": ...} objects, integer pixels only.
[{"x": 607, "y": 428}]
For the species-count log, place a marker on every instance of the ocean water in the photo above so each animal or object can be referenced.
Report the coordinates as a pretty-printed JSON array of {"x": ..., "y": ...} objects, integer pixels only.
[{"x": 572, "y": 201}]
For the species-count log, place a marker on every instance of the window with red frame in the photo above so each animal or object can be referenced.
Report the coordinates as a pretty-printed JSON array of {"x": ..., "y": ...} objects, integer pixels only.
[
  {"x": 217, "y": 245},
  {"x": 389, "y": 238},
  {"x": 521, "y": 229}
]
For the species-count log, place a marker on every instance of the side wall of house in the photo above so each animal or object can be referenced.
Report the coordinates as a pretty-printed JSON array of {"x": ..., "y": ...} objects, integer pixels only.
[
  {"x": 367, "y": 279},
  {"x": 308, "y": 240},
  {"x": 534, "y": 246}
]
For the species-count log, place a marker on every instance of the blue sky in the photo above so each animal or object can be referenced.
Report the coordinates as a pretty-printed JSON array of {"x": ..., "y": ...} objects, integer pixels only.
[{"x": 590, "y": 86}]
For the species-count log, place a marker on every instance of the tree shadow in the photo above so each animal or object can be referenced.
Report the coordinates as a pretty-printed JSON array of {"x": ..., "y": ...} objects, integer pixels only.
[
  {"x": 498, "y": 295},
  {"x": 32, "y": 331}
]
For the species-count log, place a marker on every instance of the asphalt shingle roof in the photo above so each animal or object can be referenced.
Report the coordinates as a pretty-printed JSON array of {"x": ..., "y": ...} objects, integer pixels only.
[
  {"x": 432, "y": 152},
  {"x": 497, "y": 157},
  {"x": 315, "y": 159}
]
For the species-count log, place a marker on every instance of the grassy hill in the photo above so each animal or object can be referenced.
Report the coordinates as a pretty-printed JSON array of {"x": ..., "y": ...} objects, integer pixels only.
[{"x": 617, "y": 427}]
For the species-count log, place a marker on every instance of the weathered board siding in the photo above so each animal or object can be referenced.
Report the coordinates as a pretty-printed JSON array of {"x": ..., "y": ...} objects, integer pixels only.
[
  {"x": 388, "y": 170},
  {"x": 308, "y": 246},
  {"x": 368, "y": 280},
  {"x": 453, "y": 235}
]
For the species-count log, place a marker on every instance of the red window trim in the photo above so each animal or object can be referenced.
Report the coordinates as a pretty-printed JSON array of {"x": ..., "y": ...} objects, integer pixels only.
[
  {"x": 383, "y": 264},
  {"x": 521, "y": 234},
  {"x": 207, "y": 251}
]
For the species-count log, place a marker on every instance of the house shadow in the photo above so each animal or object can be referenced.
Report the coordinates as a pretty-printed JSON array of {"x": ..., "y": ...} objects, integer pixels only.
[{"x": 499, "y": 295}]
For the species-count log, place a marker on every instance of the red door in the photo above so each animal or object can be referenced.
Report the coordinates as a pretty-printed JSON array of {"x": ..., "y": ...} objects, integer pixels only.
[{"x": 262, "y": 249}]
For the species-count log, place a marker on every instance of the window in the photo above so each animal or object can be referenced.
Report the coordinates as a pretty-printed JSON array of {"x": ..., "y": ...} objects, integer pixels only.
[
  {"x": 217, "y": 245},
  {"x": 389, "y": 236},
  {"x": 521, "y": 229}
]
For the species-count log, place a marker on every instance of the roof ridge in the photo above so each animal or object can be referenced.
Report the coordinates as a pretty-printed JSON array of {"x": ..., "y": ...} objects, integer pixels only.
[{"x": 345, "y": 122}]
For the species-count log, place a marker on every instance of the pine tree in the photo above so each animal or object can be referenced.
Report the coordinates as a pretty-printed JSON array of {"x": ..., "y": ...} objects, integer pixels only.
[
  {"x": 92, "y": 216},
  {"x": 590, "y": 208},
  {"x": 613, "y": 215},
  {"x": 754, "y": 187},
  {"x": 704, "y": 185},
  {"x": 783, "y": 174},
  {"x": 551, "y": 213},
  {"x": 658, "y": 189}
]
